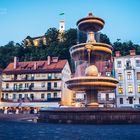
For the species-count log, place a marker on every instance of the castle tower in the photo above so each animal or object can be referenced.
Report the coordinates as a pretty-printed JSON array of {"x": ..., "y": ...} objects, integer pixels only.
[{"x": 61, "y": 26}]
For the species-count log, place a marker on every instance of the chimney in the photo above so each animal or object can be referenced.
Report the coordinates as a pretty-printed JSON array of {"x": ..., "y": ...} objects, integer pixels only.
[
  {"x": 49, "y": 60},
  {"x": 15, "y": 62},
  {"x": 132, "y": 52},
  {"x": 35, "y": 65},
  {"x": 117, "y": 54}
]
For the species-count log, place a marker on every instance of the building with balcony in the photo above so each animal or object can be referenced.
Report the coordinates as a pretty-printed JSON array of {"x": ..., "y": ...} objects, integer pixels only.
[
  {"x": 36, "y": 83},
  {"x": 127, "y": 71}
]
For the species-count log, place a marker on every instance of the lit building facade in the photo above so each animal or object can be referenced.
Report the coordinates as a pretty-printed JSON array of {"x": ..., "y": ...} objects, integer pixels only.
[
  {"x": 36, "y": 83},
  {"x": 42, "y": 40},
  {"x": 127, "y": 71}
]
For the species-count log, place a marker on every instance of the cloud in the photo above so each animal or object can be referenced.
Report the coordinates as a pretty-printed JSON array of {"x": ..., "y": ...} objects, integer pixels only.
[{"x": 3, "y": 11}]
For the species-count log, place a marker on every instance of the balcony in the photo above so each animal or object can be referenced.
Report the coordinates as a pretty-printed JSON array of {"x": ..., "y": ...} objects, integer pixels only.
[
  {"x": 30, "y": 100},
  {"x": 29, "y": 79},
  {"x": 104, "y": 101},
  {"x": 33, "y": 89}
]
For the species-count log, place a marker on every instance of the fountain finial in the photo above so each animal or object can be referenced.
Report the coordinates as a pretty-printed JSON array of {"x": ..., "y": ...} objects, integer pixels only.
[{"x": 90, "y": 14}]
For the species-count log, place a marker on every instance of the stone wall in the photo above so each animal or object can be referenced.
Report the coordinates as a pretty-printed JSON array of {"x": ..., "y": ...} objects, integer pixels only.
[{"x": 90, "y": 115}]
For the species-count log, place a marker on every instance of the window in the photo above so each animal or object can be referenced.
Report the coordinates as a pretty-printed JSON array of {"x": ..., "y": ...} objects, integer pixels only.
[
  {"x": 119, "y": 64},
  {"x": 14, "y": 96},
  {"x": 55, "y": 84},
  {"x": 32, "y": 84},
  {"x": 49, "y": 86},
  {"x": 6, "y": 95},
  {"x": 107, "y": 97},
  {"x": 120, "y": 89},
  {"x": 32, "y": 77},
  {"x": 138, "y": 88},
  {"x": 20, "y": 96},
  {"x": 49, "y": 76},
  {"x": 20, "y": 86},
  {"x": 137, "y": 63},
  {"x": 121, "y": 100},
  {"x": 7, "y": 85},
  {"x": 42, "y": 96},
  {"x": 15, "y": 86},
  {"x": 128, "y": 64},
  {"x": 43, "y": 84},
  {"x": 120, "y": 77},
  {"x": 129, "y": 76},
  {"x": 26, "y": 85},
  {"x": 43, "y": 75},
  {"x": 130, "y": 99},
  {"x": 55, "y": 95},
  {"x": 138, "y": 75},
  {"x": 7, "y": 76},
  {"x": 32, "y": 96},
  {"x": 37, "y": 75},
  {"x": 48, "y": 95},
  {"x": 130, "y": 88}
]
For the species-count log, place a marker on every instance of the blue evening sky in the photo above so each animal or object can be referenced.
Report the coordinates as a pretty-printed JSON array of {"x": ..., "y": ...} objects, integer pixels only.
[{"x": 19, "y": 18}]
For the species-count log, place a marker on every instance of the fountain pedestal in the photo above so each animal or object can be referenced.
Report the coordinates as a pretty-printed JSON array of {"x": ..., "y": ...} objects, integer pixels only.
[{"x": 92, "y": 98}]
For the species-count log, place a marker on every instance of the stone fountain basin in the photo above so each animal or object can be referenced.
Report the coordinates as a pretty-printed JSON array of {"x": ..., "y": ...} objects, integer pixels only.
[
  {"x": 100, "y": 51},
  {"x": 91, "y": 23},
  {"x": 92, "y": 83}
]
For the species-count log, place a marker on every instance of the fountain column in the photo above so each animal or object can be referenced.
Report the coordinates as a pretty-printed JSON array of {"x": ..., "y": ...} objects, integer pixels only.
[{"x": 92, "y": 98}]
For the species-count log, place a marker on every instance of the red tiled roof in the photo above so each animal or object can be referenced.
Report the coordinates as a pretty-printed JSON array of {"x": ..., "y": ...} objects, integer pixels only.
[{"x": 35, "y": 67}]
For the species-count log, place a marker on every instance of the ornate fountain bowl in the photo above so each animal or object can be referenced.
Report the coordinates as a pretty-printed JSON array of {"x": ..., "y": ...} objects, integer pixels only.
[
  {"x": 90, "y": 23},
  {"x": 98, "y": 50},
  {"x": 92, "y": 83}
]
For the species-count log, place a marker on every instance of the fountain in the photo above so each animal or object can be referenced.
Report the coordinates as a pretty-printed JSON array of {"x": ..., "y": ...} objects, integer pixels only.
[
  {"x": 89, "y": 78},
  {"x": 88, "y": 55}
]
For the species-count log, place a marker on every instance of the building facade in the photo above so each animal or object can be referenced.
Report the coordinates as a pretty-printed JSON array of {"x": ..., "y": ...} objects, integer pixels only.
[
  {"x": 36, "y": 83},
  {"x": 127, "y": 71},
  {"x": 42, "y": 40}
]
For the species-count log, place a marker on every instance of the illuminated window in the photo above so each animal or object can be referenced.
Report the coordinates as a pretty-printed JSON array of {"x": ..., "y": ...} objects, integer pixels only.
[
  {"x": 129, "y": 76},
  {"x": 49, "y": 76},
  {"x": 130, "y": 88},
  {"x": 120, "y": 89},
  {"x": 138, "y": 88},
  {"x": 119, "y": 64},
  {"x": 120, "y": 77}
]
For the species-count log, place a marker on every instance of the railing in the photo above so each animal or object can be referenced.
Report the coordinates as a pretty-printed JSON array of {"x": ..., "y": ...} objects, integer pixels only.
[
  {"x": 104, "y": 101},
  {"x": 30, "y": 100},
  {"x": 31, "y": 89}
]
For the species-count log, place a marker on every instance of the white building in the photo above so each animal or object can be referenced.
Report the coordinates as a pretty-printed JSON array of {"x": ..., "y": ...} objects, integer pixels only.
[
  {"x": 127, "y": 71},
  {"x": 36, "y": 83}
]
